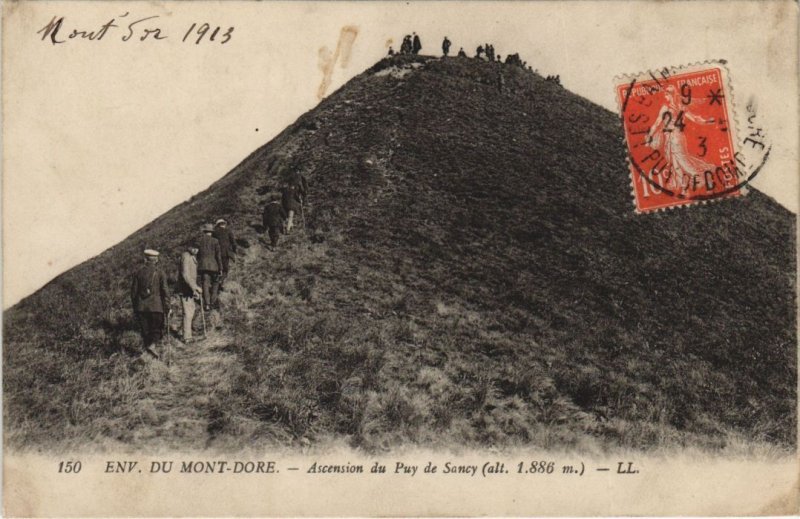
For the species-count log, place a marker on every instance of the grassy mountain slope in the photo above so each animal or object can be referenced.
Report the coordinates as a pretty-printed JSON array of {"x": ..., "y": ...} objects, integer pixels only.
[{"x": 471, "y": 272}]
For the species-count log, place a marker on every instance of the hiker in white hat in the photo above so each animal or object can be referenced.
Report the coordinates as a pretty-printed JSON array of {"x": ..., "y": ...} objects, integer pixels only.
[{"x": 150, "y": 299}]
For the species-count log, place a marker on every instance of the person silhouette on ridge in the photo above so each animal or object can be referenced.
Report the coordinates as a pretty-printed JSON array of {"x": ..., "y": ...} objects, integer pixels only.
[
  {"x": 445, "y": 46},
  {"x": 416, "y": 45}
]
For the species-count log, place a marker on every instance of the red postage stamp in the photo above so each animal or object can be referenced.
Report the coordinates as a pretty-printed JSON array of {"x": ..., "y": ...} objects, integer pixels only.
[{"x": 680, "y": 134}]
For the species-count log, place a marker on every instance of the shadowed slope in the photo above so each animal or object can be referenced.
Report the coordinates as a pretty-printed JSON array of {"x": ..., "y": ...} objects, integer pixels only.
[{"x": 471, "y": 271}]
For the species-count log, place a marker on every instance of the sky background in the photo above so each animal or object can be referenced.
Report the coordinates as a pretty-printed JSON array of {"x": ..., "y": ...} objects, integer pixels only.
[{"x": 101, "y": 137}]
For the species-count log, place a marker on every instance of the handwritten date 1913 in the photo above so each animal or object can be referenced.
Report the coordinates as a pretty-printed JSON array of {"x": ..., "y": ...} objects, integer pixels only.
[{"x": 140, "y": 29}]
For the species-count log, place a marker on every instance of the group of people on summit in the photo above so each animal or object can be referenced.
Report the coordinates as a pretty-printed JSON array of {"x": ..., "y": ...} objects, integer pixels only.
[
  {"x": 204, "y": 266},
  {"x": 412, "y": 45},
  {"x": 555, "y": 79}
]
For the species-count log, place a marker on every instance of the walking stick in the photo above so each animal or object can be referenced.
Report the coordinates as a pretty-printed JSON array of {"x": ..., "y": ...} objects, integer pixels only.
[
  {"x": 168, "y": 338},
  {"x": 203, "y": 315}
]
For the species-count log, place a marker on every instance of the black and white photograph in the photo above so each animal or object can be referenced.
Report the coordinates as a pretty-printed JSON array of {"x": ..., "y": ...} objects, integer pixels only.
[{"x": 456, "y": 258}]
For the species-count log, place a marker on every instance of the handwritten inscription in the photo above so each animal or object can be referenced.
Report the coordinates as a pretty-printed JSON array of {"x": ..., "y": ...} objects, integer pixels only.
[{"x": 129, "y": 28}]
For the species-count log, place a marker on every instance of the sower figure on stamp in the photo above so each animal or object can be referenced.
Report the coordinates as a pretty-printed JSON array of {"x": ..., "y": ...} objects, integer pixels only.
[
  {"x": 188, "y": 289},
  {"x": 672, "y": 145},
  {"x": 273, "y": 220},
  {"x": 209, "y": 259},
  {"x": 227, "y": 247},
  {"x": 150, "y": 300}
]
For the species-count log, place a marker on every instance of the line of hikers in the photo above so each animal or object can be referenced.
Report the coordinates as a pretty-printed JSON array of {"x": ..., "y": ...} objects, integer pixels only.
[
  {"x": 204, "y": 266},
  {"x": 281, "y": 208},
  {"x": 412, "y": 45}
]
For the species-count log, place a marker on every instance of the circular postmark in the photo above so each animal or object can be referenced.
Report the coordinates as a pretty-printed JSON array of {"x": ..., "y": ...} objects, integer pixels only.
[{"x": 681, "y": 137}]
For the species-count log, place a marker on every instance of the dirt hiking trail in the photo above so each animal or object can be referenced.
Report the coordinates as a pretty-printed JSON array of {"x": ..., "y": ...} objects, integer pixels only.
[{"x": 187, "y": 386}]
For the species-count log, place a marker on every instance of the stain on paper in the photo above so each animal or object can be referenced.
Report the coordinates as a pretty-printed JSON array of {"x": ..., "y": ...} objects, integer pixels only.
[{"x": 328, "y": 59}]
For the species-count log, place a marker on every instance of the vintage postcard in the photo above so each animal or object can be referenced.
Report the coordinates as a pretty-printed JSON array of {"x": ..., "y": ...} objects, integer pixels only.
[{"x": 399, "y": 258}]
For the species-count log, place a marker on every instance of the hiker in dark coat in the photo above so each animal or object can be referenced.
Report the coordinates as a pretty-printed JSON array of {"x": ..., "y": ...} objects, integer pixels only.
[
  {"x": 209, "y": 259},
  {"x": 300, "y": 182},
  {"x": 150, "y": 299},
  {"x": 290, "y": 198},
  {"x": 445, "y": 46},
  {"x": 391, "y": 51},
  {"x": 227, "y": 248},
  {"x": 417, "y": 45},
  {"x": 461, "y": 53},
  {"x": 479, "y": 51},
  {"x": 273, "y": 219}
]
